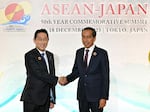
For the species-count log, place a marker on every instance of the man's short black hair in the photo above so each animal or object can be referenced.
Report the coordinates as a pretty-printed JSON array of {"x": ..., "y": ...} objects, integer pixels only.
[
  {"x": 92, "y": 29},
  {"x": 40, "y": 31}
]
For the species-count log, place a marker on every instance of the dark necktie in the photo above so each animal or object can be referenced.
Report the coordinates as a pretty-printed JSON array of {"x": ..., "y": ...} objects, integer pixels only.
[
  {"x": 43, "y": 57},
  {"x": 86, "y": 58}
]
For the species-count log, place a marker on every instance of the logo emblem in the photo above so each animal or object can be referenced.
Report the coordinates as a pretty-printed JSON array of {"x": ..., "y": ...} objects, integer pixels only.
[{"x": 15, "y": 13}]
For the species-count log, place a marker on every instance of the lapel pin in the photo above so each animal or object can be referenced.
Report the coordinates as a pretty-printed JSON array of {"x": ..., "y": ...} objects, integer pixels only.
[
  {"x": 94, "y": 53},
  {"x": 39, "y": 58}
]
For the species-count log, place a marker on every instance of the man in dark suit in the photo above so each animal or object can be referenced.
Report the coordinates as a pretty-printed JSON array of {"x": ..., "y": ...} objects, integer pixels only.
[
  {"x": 92, "y": 67},
  {"x": 39, "y": 91}
]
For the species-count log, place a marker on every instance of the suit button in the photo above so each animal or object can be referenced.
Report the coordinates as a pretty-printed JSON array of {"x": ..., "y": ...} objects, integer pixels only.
[
  {"x": 84, "y": 84},
  {"x": 85, "y": 75}
]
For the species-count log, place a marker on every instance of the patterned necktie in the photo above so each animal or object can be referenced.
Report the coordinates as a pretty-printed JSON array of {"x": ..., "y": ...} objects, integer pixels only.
[{"x": 86, "y": 58}]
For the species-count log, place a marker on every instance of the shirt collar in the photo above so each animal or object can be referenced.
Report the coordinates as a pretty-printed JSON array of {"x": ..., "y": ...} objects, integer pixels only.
[
  {"x": 91, "y": 48},
  {"x": 41, "y": 51}
]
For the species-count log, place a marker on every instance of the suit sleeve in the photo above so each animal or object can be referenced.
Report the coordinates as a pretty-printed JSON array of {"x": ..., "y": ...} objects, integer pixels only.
[
  {"x": 75, "y": 73},
  {"x": 34, "y": 69},
  {"x": 105, "y": 74}
]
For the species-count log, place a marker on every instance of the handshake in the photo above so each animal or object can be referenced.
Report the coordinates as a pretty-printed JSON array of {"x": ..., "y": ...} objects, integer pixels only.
[{"x": 62, "y": 80}]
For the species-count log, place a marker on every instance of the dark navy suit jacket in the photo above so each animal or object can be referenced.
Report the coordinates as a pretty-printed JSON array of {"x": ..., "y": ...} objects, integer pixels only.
[
  {"x": 39, "y": 81},
  {"x": 93, "y": 82}
]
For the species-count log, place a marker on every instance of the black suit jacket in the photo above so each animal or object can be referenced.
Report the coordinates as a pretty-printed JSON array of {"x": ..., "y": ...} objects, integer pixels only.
[
  {"x": 39, "y": 81},
  {"x": 93, "y": 82}
]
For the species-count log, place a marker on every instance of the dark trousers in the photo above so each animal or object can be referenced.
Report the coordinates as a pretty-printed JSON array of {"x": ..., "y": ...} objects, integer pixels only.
[
  {"x": 29, "y": 107},
  {"x": 85, "y": 106}
]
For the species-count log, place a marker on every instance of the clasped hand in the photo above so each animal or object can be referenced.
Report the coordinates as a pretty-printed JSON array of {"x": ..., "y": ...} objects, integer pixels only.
[{"x": 62, "y": 80}]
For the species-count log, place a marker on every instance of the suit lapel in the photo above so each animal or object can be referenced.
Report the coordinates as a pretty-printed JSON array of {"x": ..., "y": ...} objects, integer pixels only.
[
  {"x": 40, "y": 59},
  {"x": 81, "y": 55}
]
